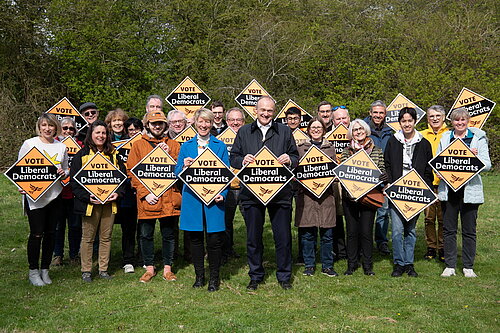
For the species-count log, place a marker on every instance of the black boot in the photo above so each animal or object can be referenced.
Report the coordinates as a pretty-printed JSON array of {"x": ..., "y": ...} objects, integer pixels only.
[
  {"x": 368, "y": 269},
  {"x": 213, "y": 284},
  {"x": 199, "y": 282},
  {"x": 351, "y": 268}
]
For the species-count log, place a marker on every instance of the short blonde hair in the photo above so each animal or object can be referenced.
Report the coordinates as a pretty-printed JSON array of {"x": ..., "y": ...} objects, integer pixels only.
[
  {"x": 459, "y": 113},
  {"x": 204, "y": 114},
  {"x": 51, "y": 120},
  {"x": 362, "y": 123}
]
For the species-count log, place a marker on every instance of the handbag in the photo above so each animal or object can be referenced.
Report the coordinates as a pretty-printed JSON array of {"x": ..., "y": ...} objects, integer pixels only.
[{"x": 373, "y": 199}]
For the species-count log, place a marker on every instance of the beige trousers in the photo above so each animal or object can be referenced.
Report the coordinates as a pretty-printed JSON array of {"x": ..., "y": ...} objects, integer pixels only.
[{"x": 101, "y": 219}]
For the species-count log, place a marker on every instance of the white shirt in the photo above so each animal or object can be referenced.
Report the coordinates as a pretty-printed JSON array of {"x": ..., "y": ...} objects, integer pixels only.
[{"x": 264, "y": 129}]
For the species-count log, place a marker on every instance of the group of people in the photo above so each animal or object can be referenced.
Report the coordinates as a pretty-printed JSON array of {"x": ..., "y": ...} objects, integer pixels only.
[{"x": 90, "y": 222}]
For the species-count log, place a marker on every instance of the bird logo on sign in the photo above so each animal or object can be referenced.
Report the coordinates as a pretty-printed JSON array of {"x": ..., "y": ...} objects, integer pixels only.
[
  {"x": 100, "y": 191},
  {"x": 455, "y": 179},
  {"x": 157, "y": 186},
  {"x": 264, "y": 191},
  {"x": 317, "y": 185},
  {"x": 407, "y": 209},
  {"x": 207, "y": 191},
  {"x": 34, "y": 189},
  {"x": 356, "y": 188}
]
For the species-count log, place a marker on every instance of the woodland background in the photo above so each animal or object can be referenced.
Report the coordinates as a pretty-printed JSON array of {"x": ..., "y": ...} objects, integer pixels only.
[{"x": 350, "y": 52}]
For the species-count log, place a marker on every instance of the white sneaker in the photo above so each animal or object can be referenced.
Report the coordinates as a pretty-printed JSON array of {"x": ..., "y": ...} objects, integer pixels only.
[
  {"x": 128, "y": 268},
  {"x": 44, "y": 274},
  {"x": 35, "y": 279},
  {"x": 469, "y": 272},
  {"x": 448, "y": 272}
]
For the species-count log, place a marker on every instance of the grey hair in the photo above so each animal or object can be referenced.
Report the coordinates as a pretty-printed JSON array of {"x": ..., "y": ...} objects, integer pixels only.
[
  {"x": 362, "y": 123},
  {"x": 378, "y": 102},
  {"x": 150, "y": 97},
  {"x": 172, "y": 113},
  {"x": 235, "y": 110},
  {"x": 459, "y": 113},
  {"x": 437, "y": 108},
  {"x": 71, "y": 121}
]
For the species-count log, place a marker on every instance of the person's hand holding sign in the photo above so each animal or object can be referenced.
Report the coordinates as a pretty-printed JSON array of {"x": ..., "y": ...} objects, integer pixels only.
[
  {"x": 151, "y": 199},
  {"x": 112, "y": 197},
  {"x": 474, "y": 150},
  {"x": 285, "y": 159},
  {"x": 61, "y": 172},
  {"x": 249, "y": 158},
  {"x": 219, "y": 198},
  {"x": 93, "y": 200},
  {"x": 188, "y": 161},
  {"x": 164, "y": 146}
]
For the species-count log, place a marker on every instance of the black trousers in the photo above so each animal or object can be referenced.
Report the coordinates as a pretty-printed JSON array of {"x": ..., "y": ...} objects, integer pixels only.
[
  {"x": 339, "y": 246},
  {"x": 127, "y": 217},
  {"x": 231, "y": 204},
  {"x": 359, "y": 224},
  {"x": 214, "y": 249},
  {"x": 42, "y": 223},
  {"x": 468, "y": 216},
  {"x": 280, "y": 216}
]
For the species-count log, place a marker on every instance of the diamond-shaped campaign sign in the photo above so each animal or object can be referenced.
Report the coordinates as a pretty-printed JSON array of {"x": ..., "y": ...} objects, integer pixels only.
[
  {"x": 479, "y": 107},
  {"x": 456, "y": 164},
  {"x": 265, "y": 176},
  {"x": 207, "y": 176},
  {"x": 64, "y": 108},
  {"x": 187, "y": 134},
  {"x": 156, "y": 171},
  {"x": 124, "y": 146},
  {"x": 338, "y": 137},
  {"x": 315, "y": 171},
  {"x": 227, "y": 136},
  {"x": 299, "y": 136},
  {"x": 247, "y": 99},
  {"x": 410, "y": 194},
  {"x": 187, "y": 97},
  {"x": 304, "y": 116},
  {"x": 72, "y": 147},
  {"x": 100, "y": 177},
  {"x": 358, "y": 174},
  {"x": 396, "y": 105},
  {"x": 34, "y": 173}
]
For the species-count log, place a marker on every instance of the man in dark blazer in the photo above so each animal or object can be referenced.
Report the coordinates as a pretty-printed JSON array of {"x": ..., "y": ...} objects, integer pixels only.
[{"x": 249, "y": 140}]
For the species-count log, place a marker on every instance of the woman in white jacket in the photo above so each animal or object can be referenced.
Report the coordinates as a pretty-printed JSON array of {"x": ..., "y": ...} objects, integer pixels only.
[{"x": 466, "y": 200}]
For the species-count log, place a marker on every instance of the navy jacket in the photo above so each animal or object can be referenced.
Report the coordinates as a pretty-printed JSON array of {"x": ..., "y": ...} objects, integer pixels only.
[
  {"x": 279, "y": 140},
  {"x": 379, "y": 137}
]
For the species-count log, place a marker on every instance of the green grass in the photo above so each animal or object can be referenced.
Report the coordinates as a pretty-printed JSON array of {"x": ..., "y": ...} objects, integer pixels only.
[{"x": 359, "y": 303}]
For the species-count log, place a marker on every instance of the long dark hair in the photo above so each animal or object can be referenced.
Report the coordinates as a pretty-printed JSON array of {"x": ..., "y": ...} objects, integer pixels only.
[{"x": 108, "y": 147}]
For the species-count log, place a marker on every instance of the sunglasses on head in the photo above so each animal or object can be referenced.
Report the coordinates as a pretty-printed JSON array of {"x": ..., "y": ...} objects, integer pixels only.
[
  {"x": 70, "y": 128},
  {"x": 339, "y": 107},
  {"x": 88, "y": 113}
]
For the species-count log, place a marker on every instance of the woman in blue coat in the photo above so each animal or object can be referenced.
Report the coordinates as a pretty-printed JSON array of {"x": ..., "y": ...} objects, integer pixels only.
[{"x": 196, "y": 217}]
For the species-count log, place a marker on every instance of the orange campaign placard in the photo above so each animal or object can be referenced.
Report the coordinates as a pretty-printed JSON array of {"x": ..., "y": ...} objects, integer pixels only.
[
  {"x": 100, "y": 177},
  {"x": 124, "y": 146},
  {"x": 358, "y": 174},
  {"x": 72, "y": 147},
  {"x": 410, "y": 194},
  {"x": 396, "y": 105},
  {"x": 64, "y": 108},
  {"x": 187, "y": 97},
  {"x": 187, "y": 134},
  {"x": 479, "y": 107},
  {"x": 207, "y": 176},
  {"x": 34, "y": 173},
  {"x": 299, "y": 136},
  {"x": 315, "y": 171},
  {"x": 338, "y": 137},
  {"x": 247, "y": 99},
  {"x": 227, "y": 136},
  {"x": 456, "y": 164},
  {"x": 304, "y": 116},
  {"x": 156, "y": 171},
  {"x": 265, "y": 176}
]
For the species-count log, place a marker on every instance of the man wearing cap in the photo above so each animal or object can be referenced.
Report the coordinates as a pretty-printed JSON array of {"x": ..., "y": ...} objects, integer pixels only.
[
  {"x": 150, "y": 207},
  {"x": 90, "y": 112},
  {"x": 249, "y": 140}
]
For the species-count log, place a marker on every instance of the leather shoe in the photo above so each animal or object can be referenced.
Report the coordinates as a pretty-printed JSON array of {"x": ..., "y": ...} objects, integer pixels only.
[
  {"x": 213, "y": 285},
  {"x": 253, "y": 284},
  {"x": 285, "y": 285},
  {"x": 199, "y": 282}
]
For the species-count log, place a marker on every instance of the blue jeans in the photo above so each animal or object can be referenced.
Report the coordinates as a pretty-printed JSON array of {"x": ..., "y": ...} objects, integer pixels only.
[
  {"x": 404, "y": 237},
  {"x": 308, "y": 240},
  {"x": 382, "y": 223},
  {"x": 74, "y": 230}
]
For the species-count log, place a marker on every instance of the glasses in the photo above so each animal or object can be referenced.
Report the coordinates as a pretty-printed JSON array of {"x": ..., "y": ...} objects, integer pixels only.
[
  {"x": 89, "y": 113},
  {"x": 293, "y": 118},
  {"x": 177, "y": 121},
  {"x": 316, "y": 127},
  {"x": 232, "y": 120},
  {"x": 339, "y": 107},
  {"x": 68, "y": 128},
  {"x": 358, "y": 129},
  {"x": 437, "y": 116}
]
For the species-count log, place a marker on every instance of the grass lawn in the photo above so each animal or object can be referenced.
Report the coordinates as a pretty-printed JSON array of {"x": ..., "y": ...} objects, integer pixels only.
[{"x": 358, "y": 303}]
